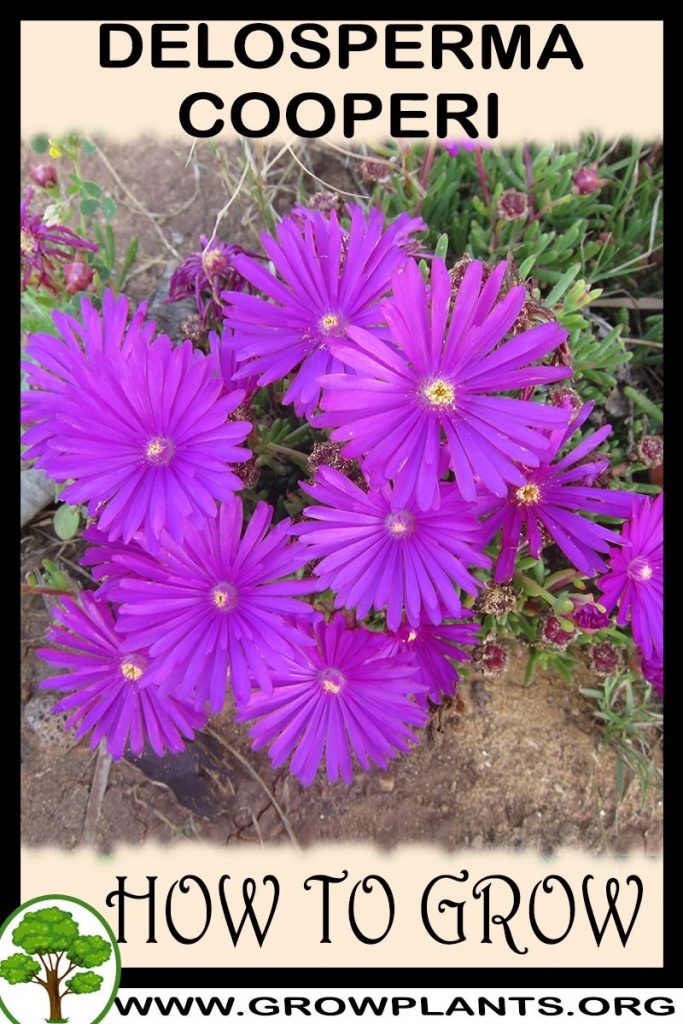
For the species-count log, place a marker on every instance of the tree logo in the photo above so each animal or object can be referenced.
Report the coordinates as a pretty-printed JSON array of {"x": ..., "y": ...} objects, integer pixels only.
[{"x": 49, "y": 948}]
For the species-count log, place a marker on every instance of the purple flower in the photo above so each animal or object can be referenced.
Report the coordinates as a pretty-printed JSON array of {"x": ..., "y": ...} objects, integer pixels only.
[
  {"x": 109, "y": 693},
  {"x": 551, "y": 497},
  {"x": 341, "y": 695},
  {"x": 653, "y": 670},
  {"x": 146, "y": 439},
  {"x": 215, "y": 607},
  {"x": 439, "y": 382},
  {"x": 379, "y": 552},
  {"x": 454, "y": 146},
  {"x": 635, "y": 581},
  {"x": 111, "y": 561},
  {"x": 226, "y": 364},
  {"x": 434, "y": 649},
  {"x": 76, "y": 358},
  {"x": 205, "y": 275},
  {"x": 41, "y": 245},
  {"x": 329, "y": 282},
  {"x": 589, "y": 616}
]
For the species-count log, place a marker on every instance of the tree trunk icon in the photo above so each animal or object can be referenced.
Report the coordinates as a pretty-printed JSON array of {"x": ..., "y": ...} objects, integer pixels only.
[{"x": 54, "y": 952}]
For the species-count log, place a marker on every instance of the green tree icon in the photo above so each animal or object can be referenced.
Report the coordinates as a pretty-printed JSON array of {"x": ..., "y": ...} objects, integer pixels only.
[{"x": 52, "y": 935}]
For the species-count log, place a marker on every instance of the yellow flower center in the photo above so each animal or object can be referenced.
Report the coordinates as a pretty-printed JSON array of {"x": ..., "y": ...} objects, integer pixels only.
[
  {"x": 640, "y": 569},
  {"x": 439, "y": 393},
  {"x": 131, "y": 670},
  {"x": 331, "y": 680},
  {"x": 224, "y": 597},
  {"x": 159, "y": 450},
  {"x": 399, "y": 524},
  {"x": 529, "y": 494},
  {"x": 331, "y": 325},
  {"x": 412, "y": 636}
]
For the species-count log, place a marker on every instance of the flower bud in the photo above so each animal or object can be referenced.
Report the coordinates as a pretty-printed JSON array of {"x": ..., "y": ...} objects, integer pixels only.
[
  {"x": 587, "y": 180},
  {"x": 77, "y": 277},
  {"x": 44, "y": 175},
  {"x": 513, "y": 205},
  {"x": 589, "y": 617}
]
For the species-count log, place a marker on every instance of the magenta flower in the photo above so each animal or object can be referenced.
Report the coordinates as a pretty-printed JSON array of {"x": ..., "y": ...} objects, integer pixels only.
[
  {"x": 146, "y": 441},
  {"x": 440, "y": 382},
  {"x": 43, "y": 246},
  {"x": 329, "y": 282},
  {"x": 589, "y": 616},
  {"x": 226, "y": 364},
  {"x": 378, "y": 552},
  {"x": 205, "y": 275},
  {"x": 340, "y": 696},
  {"x": 76, "y": 358},
  {"x": 635, "y": 580},
  {"x": 454, "y": 146},
  {"x": 111, "y": 561},
  {"x": 434, "y": 649},
  {"x": 215, "y": 607},
  {"x": 555, "y": 496},
  {"x": 109, "y": 694}
]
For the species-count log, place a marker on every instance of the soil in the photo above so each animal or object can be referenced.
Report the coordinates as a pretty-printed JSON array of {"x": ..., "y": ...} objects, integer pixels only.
[{"x": 506, "y": 765}]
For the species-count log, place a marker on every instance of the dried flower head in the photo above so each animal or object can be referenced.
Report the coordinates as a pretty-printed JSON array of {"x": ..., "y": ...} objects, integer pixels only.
[
  {"x": 497, "y": 599},
  {"x": 551, "y": 634},
  {"x": 564, "y": 397},
  {"x": 513, "y": 205},
  {"x": 490, "y": 658},
  {"x": 605, "y": 658},
  {"x": 649, "y": 451}
]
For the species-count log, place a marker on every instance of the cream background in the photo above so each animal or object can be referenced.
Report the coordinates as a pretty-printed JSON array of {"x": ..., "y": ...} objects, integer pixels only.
[
  {"x": 618, "y": 91},
  {"x": 294, "y": 936}
]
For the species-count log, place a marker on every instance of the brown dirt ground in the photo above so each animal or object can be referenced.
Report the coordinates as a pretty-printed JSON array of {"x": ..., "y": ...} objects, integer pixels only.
[{"x": 511, "y": 766}]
